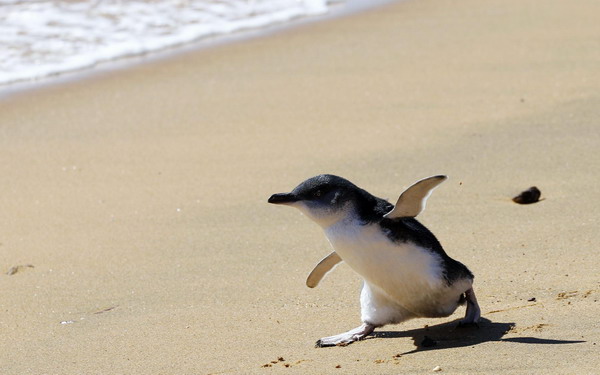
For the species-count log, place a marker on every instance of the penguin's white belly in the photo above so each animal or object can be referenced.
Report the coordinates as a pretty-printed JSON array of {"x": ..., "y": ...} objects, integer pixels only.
[{"x": 406, "y": 274}]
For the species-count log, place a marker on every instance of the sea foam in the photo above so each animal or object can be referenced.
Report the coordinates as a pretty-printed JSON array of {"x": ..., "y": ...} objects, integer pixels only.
[{"x": 44, "y": 38}]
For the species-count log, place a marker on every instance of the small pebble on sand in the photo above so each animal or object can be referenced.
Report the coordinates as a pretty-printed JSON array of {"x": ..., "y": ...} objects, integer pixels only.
[{"x": 528, "y": 196}]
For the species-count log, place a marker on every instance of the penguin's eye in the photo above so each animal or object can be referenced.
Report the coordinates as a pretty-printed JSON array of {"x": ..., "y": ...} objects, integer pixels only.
[{"x": 317, "y": 193}]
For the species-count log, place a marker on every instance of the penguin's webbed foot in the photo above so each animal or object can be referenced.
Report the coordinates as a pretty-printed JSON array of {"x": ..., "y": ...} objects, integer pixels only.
[
  {"x": 346, "y": 338},
  {"x": 473, "y": 312}
]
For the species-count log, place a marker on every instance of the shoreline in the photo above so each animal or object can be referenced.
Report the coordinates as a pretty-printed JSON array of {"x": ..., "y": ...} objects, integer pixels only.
[{"x": 173, "y": 52}]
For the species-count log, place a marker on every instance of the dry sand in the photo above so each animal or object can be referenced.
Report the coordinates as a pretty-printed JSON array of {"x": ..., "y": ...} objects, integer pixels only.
[{"x": 139, "y": 196}]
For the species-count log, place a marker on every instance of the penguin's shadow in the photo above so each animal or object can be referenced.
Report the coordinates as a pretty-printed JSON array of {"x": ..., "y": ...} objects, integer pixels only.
[{"x": 452, "y": 335}]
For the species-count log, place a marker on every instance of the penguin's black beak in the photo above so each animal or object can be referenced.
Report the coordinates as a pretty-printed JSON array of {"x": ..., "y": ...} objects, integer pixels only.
[{"x": 283, "y": 198}]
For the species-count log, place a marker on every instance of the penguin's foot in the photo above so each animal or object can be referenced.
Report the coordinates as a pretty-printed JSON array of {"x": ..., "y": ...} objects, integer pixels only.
[
  {"x": 473, "y": 312},
  {"x": 347, "y": 338}
]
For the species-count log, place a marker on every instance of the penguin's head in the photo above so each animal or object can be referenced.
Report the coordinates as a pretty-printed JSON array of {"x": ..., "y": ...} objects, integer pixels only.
[{"x": 325, "y": 199}]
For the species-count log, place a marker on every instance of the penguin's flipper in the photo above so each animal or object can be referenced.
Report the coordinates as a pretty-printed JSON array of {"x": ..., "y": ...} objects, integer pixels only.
[
  {"x": 325, "y": 265},
  {"x": 412, "y": 200}
]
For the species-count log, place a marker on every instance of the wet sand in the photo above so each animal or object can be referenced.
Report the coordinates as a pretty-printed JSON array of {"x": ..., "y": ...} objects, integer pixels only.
[{"x": 139, "y": 196}]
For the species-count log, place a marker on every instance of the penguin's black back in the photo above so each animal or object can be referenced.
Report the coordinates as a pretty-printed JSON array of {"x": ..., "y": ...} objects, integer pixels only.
[
  {"x": 372, "y": 209},
  {"x": 402, "y": 230}
]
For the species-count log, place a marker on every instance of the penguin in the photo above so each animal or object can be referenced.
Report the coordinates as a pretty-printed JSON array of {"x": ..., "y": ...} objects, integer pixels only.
[{"x": 406, "y": 272}]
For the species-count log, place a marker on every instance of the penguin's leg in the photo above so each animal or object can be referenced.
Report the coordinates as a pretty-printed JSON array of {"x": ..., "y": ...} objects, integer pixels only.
[
  {"x": 473, "y": 312},
  {"x": 376, "y": 311}
]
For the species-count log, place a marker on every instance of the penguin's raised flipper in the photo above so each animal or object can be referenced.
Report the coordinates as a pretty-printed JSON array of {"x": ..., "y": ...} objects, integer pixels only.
[
  {"x": 321, "y": 269},
  {"x": 412, "y": 200}
]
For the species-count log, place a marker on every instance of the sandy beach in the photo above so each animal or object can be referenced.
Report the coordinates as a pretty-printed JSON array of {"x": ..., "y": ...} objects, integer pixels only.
[{"x": 134, "y": 201}]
